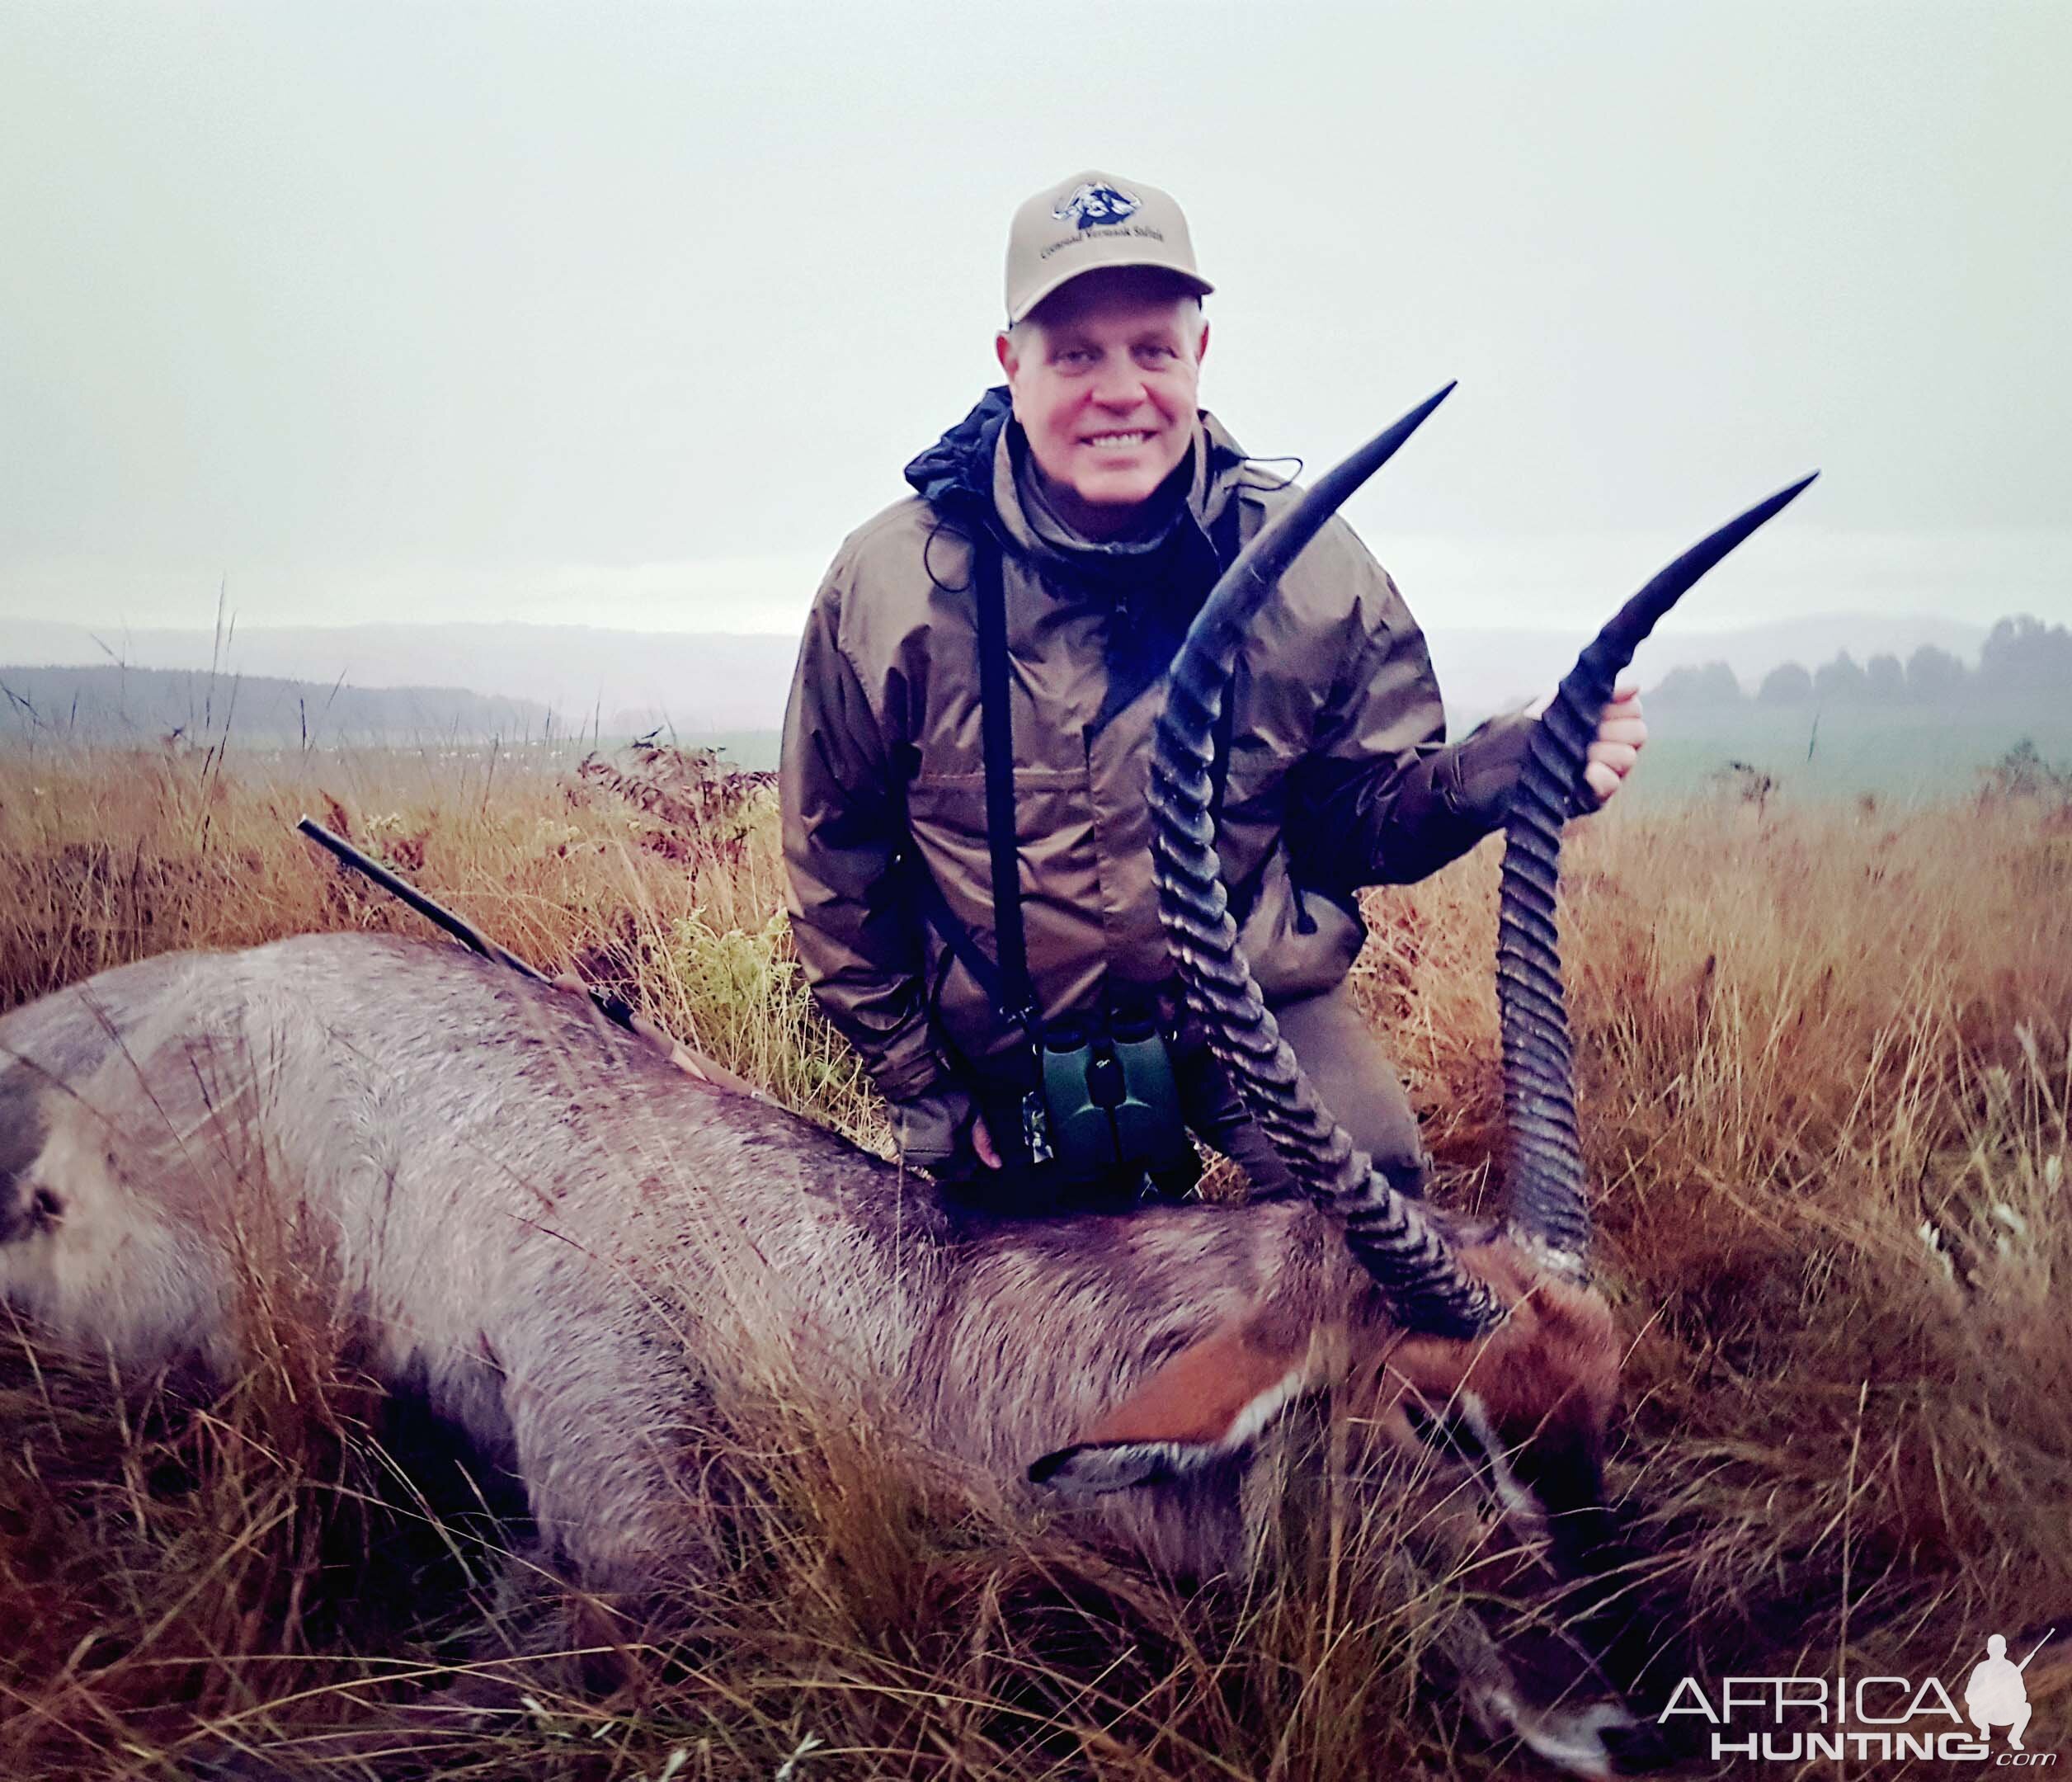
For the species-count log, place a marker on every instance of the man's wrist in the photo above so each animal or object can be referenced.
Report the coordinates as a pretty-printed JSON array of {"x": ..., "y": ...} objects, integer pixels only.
[
  {"x": 1485, "y": 768},
  {"x": 910, "y": 1074},
  {"x": 933, "y": 1130}
]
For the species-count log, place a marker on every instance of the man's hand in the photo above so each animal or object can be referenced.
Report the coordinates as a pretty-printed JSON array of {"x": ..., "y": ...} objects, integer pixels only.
[
  {"x": 940, "y": 1131},
  {"x": 1621, "y": 733}
]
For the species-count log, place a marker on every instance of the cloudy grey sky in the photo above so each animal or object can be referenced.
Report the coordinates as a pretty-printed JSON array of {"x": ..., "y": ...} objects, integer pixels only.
[{"x": 624, "y": 314}]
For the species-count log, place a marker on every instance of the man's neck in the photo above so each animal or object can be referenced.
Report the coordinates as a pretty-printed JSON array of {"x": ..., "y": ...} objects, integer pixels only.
[{"x": 1107, "y": 523}]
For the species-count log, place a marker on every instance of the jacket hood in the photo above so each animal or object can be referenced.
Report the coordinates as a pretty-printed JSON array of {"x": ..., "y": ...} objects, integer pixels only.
[{"x": 958, "y": 466}]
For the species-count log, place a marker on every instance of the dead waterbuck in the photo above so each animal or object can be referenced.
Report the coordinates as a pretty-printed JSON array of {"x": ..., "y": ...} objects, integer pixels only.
[{"x": 569, "y": 1248}]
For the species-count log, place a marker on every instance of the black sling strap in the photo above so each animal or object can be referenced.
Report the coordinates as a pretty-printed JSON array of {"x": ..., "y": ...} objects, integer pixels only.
[{"x": 997, "y": 717}]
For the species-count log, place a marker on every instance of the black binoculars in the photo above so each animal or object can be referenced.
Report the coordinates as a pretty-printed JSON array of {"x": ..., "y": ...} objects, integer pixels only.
[{"x": 1110, "y": 1096}]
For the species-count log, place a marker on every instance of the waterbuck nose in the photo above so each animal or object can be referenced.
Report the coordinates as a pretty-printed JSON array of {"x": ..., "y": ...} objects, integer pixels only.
[
  {"x": 27, "y": 1205},
  {"x": 1636, "y": 1747}
]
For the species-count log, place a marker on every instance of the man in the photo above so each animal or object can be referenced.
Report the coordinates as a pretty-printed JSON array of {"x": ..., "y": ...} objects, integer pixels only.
[{"x": 971, "y": 887}]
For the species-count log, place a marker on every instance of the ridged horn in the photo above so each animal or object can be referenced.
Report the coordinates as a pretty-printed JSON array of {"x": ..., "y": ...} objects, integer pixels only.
[
  {"x": 1391, "y": 1235},
  {"x": 1549, "y": 1212}
]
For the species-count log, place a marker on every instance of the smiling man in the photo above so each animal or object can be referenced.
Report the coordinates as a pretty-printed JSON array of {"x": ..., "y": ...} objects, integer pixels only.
[{"x": 967, "y": 753}]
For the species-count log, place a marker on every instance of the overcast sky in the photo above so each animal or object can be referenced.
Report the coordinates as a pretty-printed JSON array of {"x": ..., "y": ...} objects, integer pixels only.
[{"x": 625, "y": 314}]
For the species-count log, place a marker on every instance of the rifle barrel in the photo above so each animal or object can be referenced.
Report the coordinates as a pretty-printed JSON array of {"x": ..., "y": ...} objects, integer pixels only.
[
  {"x": 614, "y": 1009},
  {"x": 458, "y": 928}
]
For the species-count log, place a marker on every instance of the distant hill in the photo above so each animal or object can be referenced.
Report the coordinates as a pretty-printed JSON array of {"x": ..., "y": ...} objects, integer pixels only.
[
  {"x": 696, "y": 683},
  {"x": 701, "y": 683},
  {"x": 109, "y": 703}
]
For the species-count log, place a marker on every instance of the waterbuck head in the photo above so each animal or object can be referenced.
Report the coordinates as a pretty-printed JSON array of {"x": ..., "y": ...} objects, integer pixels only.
[{"x": 1484, "y": 1342}]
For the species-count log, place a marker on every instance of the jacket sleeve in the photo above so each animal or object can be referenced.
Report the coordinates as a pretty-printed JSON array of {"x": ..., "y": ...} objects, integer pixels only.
[
  {"x": 857, "y": 937},
  {"x": 1380, "y": 799}
]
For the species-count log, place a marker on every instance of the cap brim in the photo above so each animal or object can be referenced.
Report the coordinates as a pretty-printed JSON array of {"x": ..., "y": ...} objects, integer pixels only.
[{"x": 1192, "y": 282}]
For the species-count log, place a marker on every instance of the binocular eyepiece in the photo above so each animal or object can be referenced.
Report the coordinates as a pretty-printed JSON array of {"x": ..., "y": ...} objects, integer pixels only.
[{"x": 1070, "y": 1034}]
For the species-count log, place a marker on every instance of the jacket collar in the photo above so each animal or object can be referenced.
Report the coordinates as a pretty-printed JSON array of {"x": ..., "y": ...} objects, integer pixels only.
[{"x": 970, "y": 473}]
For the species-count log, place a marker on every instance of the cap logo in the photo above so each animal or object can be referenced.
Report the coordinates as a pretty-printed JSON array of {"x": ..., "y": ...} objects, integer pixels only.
[{"x": 1093, "y": 206}]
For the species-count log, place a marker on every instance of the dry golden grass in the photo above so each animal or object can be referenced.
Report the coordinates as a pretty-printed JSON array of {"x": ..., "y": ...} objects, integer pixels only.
[{"x": 1827, "y": 1081}]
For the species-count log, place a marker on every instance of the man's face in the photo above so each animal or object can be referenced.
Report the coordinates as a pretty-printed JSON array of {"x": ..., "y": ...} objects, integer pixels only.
[{"x": 1104, "y": 378}]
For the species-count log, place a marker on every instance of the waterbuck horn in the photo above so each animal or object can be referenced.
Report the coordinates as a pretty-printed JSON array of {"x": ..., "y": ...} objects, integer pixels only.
[
  {"x": 1548, "y": 1212},
  {"x": 1391, "y": 1235}
]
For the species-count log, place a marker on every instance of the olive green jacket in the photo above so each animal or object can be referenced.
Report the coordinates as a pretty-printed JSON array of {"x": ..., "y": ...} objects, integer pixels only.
[{"x": 1337, "y": 773}]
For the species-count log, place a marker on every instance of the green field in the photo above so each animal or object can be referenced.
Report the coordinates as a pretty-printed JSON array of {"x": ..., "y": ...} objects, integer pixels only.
[
  {"x": 1902, "y": 753},
  {"x": 1906, "y": 753}
]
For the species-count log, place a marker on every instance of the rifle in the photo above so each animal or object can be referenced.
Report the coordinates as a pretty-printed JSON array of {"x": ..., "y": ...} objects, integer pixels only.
[{"x": 616, "y": 1010}]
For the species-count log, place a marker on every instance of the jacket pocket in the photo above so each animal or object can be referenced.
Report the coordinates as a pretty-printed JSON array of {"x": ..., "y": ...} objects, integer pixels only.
[
  {"x": 1299, "y": 943},
  {"x": 1060, "y": 880}
]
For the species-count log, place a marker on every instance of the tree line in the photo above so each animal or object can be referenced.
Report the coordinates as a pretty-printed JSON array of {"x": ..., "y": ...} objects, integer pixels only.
[{"x": 2021, "y": 657}]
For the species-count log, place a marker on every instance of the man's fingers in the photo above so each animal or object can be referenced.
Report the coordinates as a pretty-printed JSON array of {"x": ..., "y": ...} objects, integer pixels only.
[
  {"x": 982, "y": 1143},
  {"x": 1605, "y": 765},
  {"x": 1621, "y": 732}
]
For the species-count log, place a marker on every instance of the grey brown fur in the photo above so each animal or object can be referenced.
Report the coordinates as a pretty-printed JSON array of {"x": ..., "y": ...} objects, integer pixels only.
[{"x": 571, "y": 1243}]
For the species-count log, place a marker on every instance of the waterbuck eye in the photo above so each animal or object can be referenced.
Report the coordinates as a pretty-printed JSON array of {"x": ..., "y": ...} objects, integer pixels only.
[{"x": 1445, "y": 1433}]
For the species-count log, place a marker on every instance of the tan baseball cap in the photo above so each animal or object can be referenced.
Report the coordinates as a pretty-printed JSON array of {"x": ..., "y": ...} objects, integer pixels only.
[{"x": 1093, "y": 221}]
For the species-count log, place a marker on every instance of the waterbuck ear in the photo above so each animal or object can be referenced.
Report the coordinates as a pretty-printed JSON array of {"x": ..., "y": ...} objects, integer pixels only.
[{"x": 1206, "y": 1403}]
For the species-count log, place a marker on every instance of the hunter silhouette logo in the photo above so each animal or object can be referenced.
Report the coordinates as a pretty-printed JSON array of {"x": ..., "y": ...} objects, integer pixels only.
[
  {"x": 1093, "y": 205},
  {"x": 1798, "y": 1719},
  {"x": 1996, "y": 1695}
]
